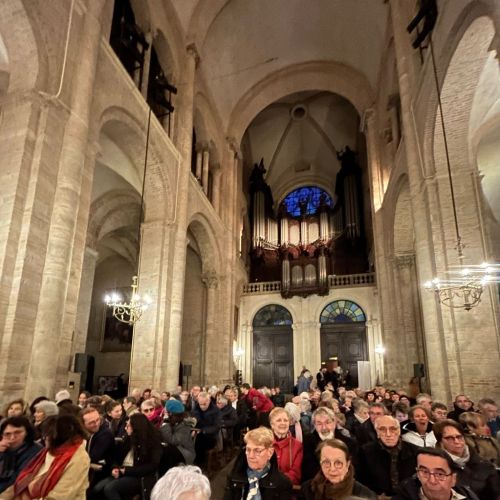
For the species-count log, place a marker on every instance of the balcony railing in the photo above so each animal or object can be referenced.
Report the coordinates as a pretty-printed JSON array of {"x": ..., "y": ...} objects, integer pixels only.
[{"x": 347, "y": 280}]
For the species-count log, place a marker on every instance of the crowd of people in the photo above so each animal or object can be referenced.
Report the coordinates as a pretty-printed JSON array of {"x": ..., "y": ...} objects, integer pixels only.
[{"x": 327, "y": 442}]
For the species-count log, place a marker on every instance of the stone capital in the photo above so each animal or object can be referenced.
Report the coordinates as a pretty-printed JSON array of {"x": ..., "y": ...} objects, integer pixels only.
[
  {"x": 367, "y": 119},
  {"x": 210, "y": 279},
  {"x": 233, "y": 146},
  {"x": 404, "y": 261},
  {"x": 192, "y": 51}
]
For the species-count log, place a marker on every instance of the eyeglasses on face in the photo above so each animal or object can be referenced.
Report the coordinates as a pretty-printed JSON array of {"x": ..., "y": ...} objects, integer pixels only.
[
  {"x": 391, "y": 430},
  {"x": 255, "y": 451},
  {"x": 425, "y": 473},
  {"x": 455, "y": 437},
  {"x": 328, "y": 464},
  {"x": 147, "y": 410},
  {"x": 12, "y": 434}
]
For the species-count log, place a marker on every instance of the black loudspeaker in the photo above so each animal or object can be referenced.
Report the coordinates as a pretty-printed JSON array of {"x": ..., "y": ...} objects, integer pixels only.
[
  {"x": 186, "y": 370},
  {"x": 419, "y": 370},
  {"x": 81, "y": 362}
]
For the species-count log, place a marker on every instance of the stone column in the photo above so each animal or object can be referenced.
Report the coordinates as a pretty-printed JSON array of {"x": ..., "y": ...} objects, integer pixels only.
[
  {"x": 216, "y": 189},
  {"x": 199, "y": 155},
  {"x": 184, "y": 137},
  {"x": 205, "y": 169},
  {"x": 212, "y": 342},
  {"x": 42, "y": 369},
  {"x": 146, "y": 66}
]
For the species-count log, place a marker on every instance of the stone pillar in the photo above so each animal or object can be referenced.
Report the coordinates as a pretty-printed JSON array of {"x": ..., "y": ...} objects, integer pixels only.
[
  {"x": 146, "y": 66},
  {"x": 199, "y": 155},
  {"x": 61, "y": 243},
  {"x": 212, "y": 342},
  {"x": 205, "y": 169},
  {"x": 184, "y": 137},
  {"x": 216, "y": 189}
]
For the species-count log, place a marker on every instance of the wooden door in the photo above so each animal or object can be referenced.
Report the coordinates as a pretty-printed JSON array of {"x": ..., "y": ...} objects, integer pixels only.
[
  {"x": 347, "y": 342},
  {"x": 273, "y": 358}
]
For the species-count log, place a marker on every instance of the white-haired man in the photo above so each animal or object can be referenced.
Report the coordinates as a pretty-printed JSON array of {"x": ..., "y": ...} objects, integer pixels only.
[{"x": 182, "y": 483}]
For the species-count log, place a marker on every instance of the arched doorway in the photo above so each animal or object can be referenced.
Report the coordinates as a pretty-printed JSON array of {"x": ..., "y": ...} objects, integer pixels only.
[
  {"x": 343, "y": 336},
  {"x": 273, "y": 348}
]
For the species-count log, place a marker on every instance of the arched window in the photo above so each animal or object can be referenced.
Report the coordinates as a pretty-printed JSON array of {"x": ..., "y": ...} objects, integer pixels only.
[
  {"x": 342, "y": 311},
  {"x": 272, "y": 315},
  {"x": 306, "y": 199}
]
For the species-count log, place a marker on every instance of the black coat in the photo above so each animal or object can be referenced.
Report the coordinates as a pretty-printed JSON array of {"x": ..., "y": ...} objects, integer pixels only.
[
  {"x": 366, "y": 433},
  {"x": 374, "y": 469},
  {"x": 358, "y": 490},
  {"x": 209, "y": 422},
  {"x": 101, "y": 447},
  {"x": 142, "y": 466},
  {"x": 310, "y": 462},
  {"x": 229, "y": 416},
  {"x": 273, "y": 486},
  {"x": 481, "y": 476},
  {"x": 410, "y": 490}
]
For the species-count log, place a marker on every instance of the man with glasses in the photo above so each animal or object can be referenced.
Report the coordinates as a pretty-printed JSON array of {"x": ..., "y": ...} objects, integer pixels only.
[
  {"x": 366, "y": 431},
  {"x": 435, "y": 479},
  {"x": 384, "y": 463}
]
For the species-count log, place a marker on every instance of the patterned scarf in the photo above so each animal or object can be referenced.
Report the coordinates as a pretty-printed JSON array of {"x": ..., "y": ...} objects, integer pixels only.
[
  {"x": 325, "y": 490},
  {"x": 254, "y": 476}
]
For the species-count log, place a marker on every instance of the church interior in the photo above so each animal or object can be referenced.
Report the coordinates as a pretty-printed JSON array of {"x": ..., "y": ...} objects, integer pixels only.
[{"x": 256, "y": 187}]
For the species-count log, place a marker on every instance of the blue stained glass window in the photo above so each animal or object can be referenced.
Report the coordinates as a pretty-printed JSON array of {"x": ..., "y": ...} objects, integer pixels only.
[
  {"x": 272, "y": 315},
  {"x": 310, "y": 195},
  {"x": 342, "y": 311}
]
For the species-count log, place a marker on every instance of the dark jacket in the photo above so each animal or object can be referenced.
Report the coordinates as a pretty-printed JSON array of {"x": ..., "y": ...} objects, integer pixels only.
[
  {"x": 410, "y": 490},
  {"x": 456, "y": 412},
  {"x": 274, "y": 485},
  {"x": 142, "y": 466},
  {"x": 229, "y": 416},
  {"x": 278, "y": 399},
  {"x": 13, "y": 461},
  {"x": 101, "y": 448},
  {"x": 374, "y": 469},
  {"x": 481, "y": 476},
  {"x": 209, "y": 422},
  {"x": 366, "y": 433},
  {"x": 358, "y": 490},
  {"x": 310, "y": 462}
]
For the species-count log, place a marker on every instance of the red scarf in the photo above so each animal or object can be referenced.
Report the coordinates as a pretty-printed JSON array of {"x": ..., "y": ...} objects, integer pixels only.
[{"x": 42, "y": 485}]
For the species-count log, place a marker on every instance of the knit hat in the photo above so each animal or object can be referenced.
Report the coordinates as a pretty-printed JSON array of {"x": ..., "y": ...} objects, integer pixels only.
[
  {"x": 62, "y": 395},
  {"x": 174, "y": 406}
]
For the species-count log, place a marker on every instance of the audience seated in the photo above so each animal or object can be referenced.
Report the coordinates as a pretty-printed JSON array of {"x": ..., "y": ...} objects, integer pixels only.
[
  {"x": 462, "y": 403},
  {"x": 418, "y": 430},
  {"x": 489, "y": 409},
  {"x": 209, "y": 423},
  {"x": 182, "y": 483},
  {"x": 366, "y": 431},
  {"x": 478, "y": 438}
]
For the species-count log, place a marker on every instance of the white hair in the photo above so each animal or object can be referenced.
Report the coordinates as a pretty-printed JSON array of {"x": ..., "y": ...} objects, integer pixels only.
[{"x": 181, "y": 480}]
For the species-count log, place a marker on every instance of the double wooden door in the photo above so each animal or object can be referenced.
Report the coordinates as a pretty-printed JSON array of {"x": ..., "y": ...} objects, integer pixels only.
[
  {"x": 273, "y": 357},
  {"x": 346, "y": 342}
]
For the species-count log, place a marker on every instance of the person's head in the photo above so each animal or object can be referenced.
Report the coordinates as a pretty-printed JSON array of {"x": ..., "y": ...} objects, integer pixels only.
[
  {"x": 463, "y": 402},
  {"x": 185, "y": 482},
  {"x": 323, "y": 420},
  {"x": 147, "y": 407},
  {"x": 146, "y": 393},
  {"x": 91, "y": 419},
  {"x": 136, "y": 393},
  {"x": 420, "y": 416},
  {"x": 425, "y": 400},
  {"x": 245, "y": 388},
  {"x": 370, "y": 397},
  {"x": 195, "y": 390},
  {"x": 259, "y": 447},
  {"x": 341, "y": 391},
  {"x": 394, "y": 397},
  {"x": 436, "y": 472},
  {"x": 450, "y": 436},
  {"x": 129, "y": 402},
  {"x": 15, "y": 408},
  {"x": 45, "y": 409},
  {"x": 293, "y": 412},
  {"x": 280, "y": 422},
  {"x": 62, "y": 429},
  {"x": 488, "y": 408},
  {"x": 439, "y": 411},
  {"x": 82, "y": 398},
  {"x": 388, "y": 430},
  {"x": 114, "y": 410},
  {"x": 141, "y": 431},
  {"x": 16, "y": 430},
  {"x": 334, "y": 459},
  {"x": 361, "y": 409},
  {"x": 222, "y": 401},
  {"x": 184, "y": 396},
  {"x": 204, "y": 401},
  {"x": 474, "y": 422},
  {"x": 376, "y": 410},
  {"x": 400, "y": 411},
  {"x": 403, "y": 398},
  {"x": 63, "y": 396}
]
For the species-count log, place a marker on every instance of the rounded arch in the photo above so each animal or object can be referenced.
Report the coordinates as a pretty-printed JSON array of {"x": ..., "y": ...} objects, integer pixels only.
[
  {"x": 272, "y": 315},
  {"x": 329, "y": 76},
  {"x": 206, "y": 241},
  {"x": 166, "y": 55},
  {"x": 203, "y": 16},
  {"x": 342, "y": 311}
]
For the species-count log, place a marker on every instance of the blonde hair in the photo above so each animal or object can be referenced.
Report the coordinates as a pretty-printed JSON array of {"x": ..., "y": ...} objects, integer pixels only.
[
  {"x": 276, "y": 411},
  {"x": 472, "y": 420},
  {"x": 261, "y": 436}
]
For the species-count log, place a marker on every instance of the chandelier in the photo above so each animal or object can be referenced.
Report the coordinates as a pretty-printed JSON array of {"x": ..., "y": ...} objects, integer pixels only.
[{"x": 131, "y": 312}]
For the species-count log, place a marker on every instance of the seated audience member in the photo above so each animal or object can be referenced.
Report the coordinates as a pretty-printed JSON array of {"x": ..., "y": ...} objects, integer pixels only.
[
  {"x": 228, "y": 414},
  {"x": 489, "y": 409},
  {"x": 439, "y": 412},
  {"x": 138, "y": 457},
  {"x": 130, "y": 406},
  {"x": 305, "y": 416},
  {"x": 185, "y": 482},
  {"x": 435, "y": 479},
  {"x": 462, "y": 403},
  {"x": 418, "y": 430},
  {"x": 358, "y": 416},
  {"x": 278, "y": 398},
  {"x": 384, "y": 463},
  {"x": 400, "y": 412},
  {"x": 100, "y": 445},
  {"x": 370, "y": 397},
  {"x": 325, "y": 427},
  {"x": 240, "y": 405},
  {"x": 152, "y": 412},
  {"x": 295, "y": 426},
  {"x": 288, "y": 450},
  {"x": 43, "y": 410},
  {"x": 335, "y": 479},
  {"x": 477, "y": 437},
  {"x": 116, "y": 418},
  {"x": 17, "y": 448},
  {"x": 425, "y": 400},
  {"x": 60, "y": 470},
  {"x": 366, "y": 431},
  {"x": 473, "y": 471},
  {"x": 209, "y": 422},
  {"x": 16, "y": 408},
  {"x": 255, "y": 473},
  {"x": 82, "y": 399},
  {"x": 403, "y": 398},
  {"x": 176, "y": 434}
]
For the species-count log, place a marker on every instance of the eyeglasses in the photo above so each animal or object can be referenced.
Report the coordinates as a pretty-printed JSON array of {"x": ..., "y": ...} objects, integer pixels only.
[
  {"x": 456, "y": 437},
  {"x": 147, "y": 410},
  {"x": 390, "y": 430},
  {"x": 426, "y": 474},
  {"x": 12, "y": 434},
  {"x": 328, "y": 464},
  {"x": 255, "y": 451}
]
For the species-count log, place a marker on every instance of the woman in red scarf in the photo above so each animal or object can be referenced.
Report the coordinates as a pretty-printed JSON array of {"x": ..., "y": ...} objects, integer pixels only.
[{"x": 60, "y": 470}]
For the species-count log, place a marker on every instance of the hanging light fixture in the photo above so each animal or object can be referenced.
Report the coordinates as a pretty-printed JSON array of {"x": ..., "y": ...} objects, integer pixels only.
[
  {"x": 131, "y": 312},
  {"x": 463, "y": 286}
]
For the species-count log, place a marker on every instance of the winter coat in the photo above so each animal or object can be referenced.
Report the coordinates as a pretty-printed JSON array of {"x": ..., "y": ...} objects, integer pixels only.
[
  {"x": 410, "y": 490},
  {"x": 179, "y": 436},
  {"x": 273, "y": 486},
  {"x": 258, "y": 401},
  {"x": 366, "y": 433},
  {"x": 210, "y": 421},
  {"x": 358, "y": 491},
  {"x": 142, "y": 466},
  {"x": 485, "y": 446},
  {"x": 13, "y": 461},
  {"x": 289, "y": 456},
  {"x": 229, "y": 416},
  {"x": 410, "y": 435}
]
